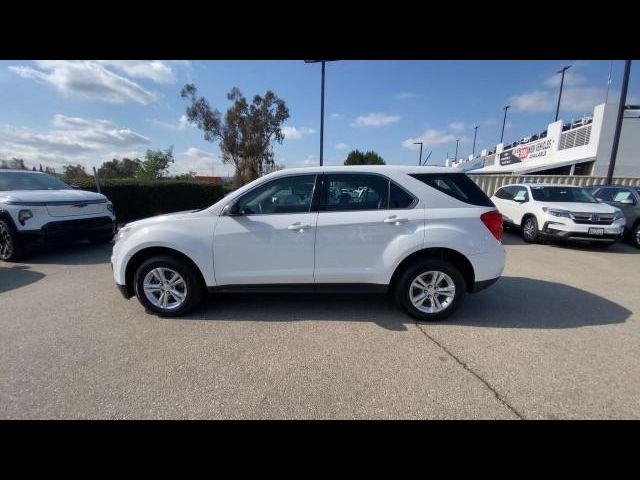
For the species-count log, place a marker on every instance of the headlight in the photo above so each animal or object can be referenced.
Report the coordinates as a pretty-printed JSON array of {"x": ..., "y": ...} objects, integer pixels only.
[
  {"x": 618, "y": 215},
  {"x": 123, "y": 232},
  {"x": 110, "y": 208},
  {"x": 24, "y": 215},
  {"x": 556, "y": 212}
]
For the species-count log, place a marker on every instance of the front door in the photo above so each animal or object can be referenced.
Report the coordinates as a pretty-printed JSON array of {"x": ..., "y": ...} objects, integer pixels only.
[{"x": 272, "y": 239}]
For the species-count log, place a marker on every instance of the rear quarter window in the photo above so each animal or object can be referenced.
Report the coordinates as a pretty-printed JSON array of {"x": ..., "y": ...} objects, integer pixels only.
[{"x": 456, "y": 185}]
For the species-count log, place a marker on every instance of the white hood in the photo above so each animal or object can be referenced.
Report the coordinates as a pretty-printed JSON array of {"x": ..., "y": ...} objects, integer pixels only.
[
  {"x": 159, "y": 218},
  {"x": 578, "y": 207},
  {"x": 50, "y": 196}
]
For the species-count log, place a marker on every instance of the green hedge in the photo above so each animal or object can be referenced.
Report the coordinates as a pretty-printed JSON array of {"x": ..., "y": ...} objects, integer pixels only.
[{"x": 136, "y": 199}]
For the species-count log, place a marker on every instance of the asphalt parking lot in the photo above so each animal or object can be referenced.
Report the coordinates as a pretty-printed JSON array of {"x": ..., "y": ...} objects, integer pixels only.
[{"x": 557, "y": 337}]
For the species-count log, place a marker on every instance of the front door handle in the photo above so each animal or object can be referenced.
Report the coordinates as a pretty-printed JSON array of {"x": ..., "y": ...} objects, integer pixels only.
[
  {"x": 395, "y": 220},
  {"x": 298, "y": 226}
]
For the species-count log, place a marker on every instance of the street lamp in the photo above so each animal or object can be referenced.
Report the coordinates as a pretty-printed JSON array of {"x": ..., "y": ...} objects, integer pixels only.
[
  {"x": 504, "y": 121},
  {"x": 456, "y": 155},
  {"x": 564, "y": 69},
  {"x": 321, "y": 105},
  {"x": 420, "y": 159},
  {"x": 473, "y": 152}
]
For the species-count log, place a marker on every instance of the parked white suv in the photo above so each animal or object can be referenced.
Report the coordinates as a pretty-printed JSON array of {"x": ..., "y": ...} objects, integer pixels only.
[
  {"x": 35, "y": 206},
  {"x": 559, "y": 212},
  {"x": 427, "y": 234}
]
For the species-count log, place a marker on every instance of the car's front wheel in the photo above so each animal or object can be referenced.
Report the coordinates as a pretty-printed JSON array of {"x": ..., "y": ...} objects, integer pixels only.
[
  {"x": 10, "y": 247},
  {"x": 168, "y": 286},
  {"x": 635, "y": 236},
  {"x": 430, "y": 290}
]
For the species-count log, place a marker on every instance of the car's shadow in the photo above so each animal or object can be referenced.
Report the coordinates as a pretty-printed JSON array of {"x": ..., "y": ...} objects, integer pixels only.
[
  {"x": 513, "y": 302},
  {"x": 17, "y": 276}
]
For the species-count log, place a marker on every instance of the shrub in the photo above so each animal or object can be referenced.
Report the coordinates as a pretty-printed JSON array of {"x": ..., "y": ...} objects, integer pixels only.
[{"x": 136, "y": 199}]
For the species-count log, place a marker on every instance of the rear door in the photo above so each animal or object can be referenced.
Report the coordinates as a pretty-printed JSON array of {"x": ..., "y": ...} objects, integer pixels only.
[{"x": 364, "y": 221}]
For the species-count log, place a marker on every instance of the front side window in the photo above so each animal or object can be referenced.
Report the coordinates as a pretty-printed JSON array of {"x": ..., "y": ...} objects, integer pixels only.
[
  {"x": 561, "y": 194},
  {"x": 284, "y": 195},
  {"x": 521, "y": 194},
  {"x": 355, "y": 192}
]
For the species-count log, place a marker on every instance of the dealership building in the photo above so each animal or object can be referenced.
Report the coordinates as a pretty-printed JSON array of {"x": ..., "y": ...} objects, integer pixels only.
[{"x": 581, "y": 147}]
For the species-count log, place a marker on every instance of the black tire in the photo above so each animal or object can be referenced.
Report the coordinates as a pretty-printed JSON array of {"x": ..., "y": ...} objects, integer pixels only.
[
  {"x": 530, "y": 232},
  {"x": 194, "y": 288},
  {"x": 100, "y": 239},
  {"x": 403, "y": 288},
  {"x": 11, "y": 249},
  {"x": 635, "y": 236}
]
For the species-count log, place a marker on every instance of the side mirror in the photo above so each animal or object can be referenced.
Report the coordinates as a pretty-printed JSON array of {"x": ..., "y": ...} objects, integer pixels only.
[
  {"x": 599, "y": 200},
  {"x": 520, "y": 200},
  {"x": 231, "y": 209},
  {"x": 75, "y": 187},
  {"x": 627, "y": 201}
]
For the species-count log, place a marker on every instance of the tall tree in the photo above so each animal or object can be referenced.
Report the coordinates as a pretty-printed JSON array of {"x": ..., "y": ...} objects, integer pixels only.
[
  {"x": 247, "y": 132},
  {"x": 156, "y": 164},
  {"x": 356, "y": 157},
  {"x": 71, "y": 173},
  {"x": 17, "y": 164},
  {"x": 125, "y": 168}
]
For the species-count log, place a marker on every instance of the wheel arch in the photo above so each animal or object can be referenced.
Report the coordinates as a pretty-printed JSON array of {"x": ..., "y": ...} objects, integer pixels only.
[
  {"x": 4, "y": 215},
  {"x": 148, "y": 252},
  {"x": 453, "y": 256}
]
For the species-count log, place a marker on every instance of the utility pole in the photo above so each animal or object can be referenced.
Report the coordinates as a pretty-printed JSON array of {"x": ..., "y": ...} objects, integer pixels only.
[
  {"x": 564, "y": 69},
  {"x": 456, "y": 155},
  {"x": 616, "y": 135},
  {"x": 473, "y": 152},
  {"x": 420, "y": 158},
  {"x": 321, "y": 106},
  {"x": 504, "y": 121}
]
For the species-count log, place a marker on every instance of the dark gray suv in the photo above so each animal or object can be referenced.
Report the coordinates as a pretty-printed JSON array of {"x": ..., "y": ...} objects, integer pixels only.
[{"x": 626, "y": 199}]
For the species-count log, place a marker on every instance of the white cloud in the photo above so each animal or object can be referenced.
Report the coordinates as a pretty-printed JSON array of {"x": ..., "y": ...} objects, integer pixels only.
[
  {"x": 341, "y": 146},
  {"x": 335, "y": 116},
  {"x": 293, "y": 133},
  {"x": 572, "y": 77},
  {"x": 431, "y": 137},
  {"x": 375, "y": 120},
  {"x": 86, "y": 79},
  {"x": 202, "y": 162},
  {"x": 536, "y": 101},
  {"x": 309, "y": 161},
  {"x": 457, "y": 126},
  {"x": 576, "y": 100},
  {"x": 72, "y": 140},
  {"x": 156, "y": 70},
  {"x": 180, "y": 125},
  {"x": 404, "y": 95}
]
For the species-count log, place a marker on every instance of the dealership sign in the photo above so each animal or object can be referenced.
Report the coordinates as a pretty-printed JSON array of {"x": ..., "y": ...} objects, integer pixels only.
[{"x": 526, "y": 152}]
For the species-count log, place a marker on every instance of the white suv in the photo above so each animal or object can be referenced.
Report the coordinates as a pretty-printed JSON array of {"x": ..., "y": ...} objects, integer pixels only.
[
  {"x": 559, "y": 212},
  {"x": 427, "y": 234},
  {"x": 35, "y": 206}
]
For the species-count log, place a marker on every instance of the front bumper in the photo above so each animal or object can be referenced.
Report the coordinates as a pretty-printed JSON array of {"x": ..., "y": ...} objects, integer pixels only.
[
  {"x": 77, "y": 228},
  {"x": 553, "y": 230}
]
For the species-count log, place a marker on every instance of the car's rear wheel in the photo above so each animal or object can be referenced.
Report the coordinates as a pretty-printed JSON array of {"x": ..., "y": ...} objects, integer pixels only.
[
  {"x": 430, "y": 290},
  {"x": 168, "y": 286},
  {"x": 530, "y": 230},
  {"x": 10, "y": 247}
]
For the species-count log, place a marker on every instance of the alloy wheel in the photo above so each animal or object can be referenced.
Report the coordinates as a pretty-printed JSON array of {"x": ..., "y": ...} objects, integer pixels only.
[
  {"x": 432, "y": 291},
  {"x": 165, "y": 288}
]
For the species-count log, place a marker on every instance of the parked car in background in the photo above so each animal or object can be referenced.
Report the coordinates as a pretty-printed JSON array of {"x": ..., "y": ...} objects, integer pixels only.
[
  {"x": 37, "y": 207},
  {"x": 559, "y": 212},
  {"x": 627, "y": 199},
  {"x": 429, "y": 235}
]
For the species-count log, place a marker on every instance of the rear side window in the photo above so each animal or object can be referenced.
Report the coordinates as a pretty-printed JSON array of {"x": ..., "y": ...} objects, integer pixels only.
[{"x": 456, "y": 185}]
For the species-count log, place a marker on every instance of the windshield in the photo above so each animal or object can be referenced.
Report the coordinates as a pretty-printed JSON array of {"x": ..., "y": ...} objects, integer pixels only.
[
  {"x": 30, "y": 181},
  {"x": 562, "y": 194}
]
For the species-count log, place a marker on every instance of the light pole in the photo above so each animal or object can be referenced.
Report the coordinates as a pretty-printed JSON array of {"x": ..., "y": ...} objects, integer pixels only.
[
  {"x": 564, "y": 69},
  {"x": 456, "y": 155},
  {"x": 321, "y": 106},
  {"x": 616, "y": 134},
  {"x": 504, "y": 121},
  {"x": 420, "y": 159},
  {"x": 473, "y": 152}
]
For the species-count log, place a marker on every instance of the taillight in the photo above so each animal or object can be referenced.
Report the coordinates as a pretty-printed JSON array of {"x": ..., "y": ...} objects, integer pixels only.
[{"x": 493, "y": 221}]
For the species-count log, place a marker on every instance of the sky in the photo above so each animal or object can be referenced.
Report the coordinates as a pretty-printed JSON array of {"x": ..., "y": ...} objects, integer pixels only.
[{"x": 90, "y": 111}]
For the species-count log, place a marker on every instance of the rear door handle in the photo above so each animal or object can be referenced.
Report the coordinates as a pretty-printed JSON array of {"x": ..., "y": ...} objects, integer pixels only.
[
  {"x": 298, "y": 226},
  {"x": 395, "y": 220}
]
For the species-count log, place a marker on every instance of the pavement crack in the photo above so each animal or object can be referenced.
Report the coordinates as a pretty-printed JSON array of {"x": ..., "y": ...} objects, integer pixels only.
[{"x": 500, "y": 398}]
